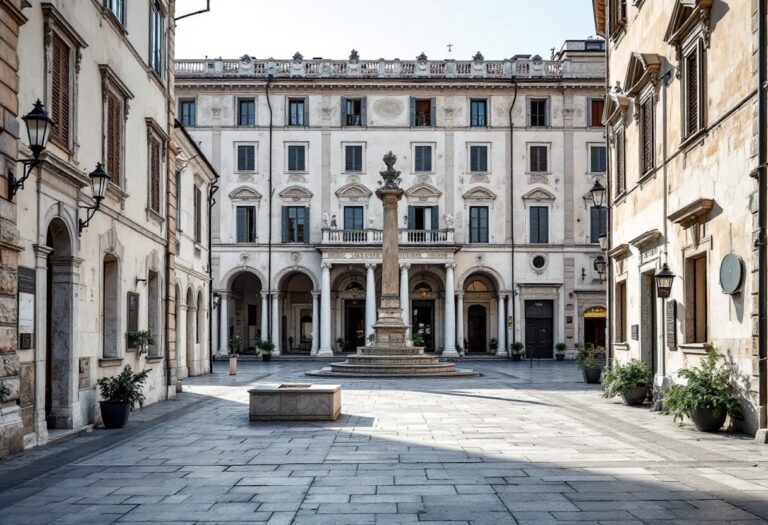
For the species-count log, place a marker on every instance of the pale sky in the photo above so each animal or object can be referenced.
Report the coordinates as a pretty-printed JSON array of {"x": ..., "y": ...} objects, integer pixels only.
[{"x": 380, "y": 28}]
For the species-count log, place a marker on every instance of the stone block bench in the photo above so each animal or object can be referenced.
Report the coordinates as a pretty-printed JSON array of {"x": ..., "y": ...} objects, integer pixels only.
[{"x": 294, "y": 402}]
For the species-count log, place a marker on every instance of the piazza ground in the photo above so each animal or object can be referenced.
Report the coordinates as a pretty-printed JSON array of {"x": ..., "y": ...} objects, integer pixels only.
[{"x": 518, "y": 445}]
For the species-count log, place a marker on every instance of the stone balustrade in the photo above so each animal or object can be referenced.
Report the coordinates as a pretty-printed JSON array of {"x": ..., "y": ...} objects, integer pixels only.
[{"x": 373, "y": 237}]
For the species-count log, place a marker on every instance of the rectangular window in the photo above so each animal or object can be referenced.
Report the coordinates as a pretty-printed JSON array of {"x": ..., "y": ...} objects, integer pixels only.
[
  {"x": 538, "y": 113},
  {"x": 598, "y": 223},
  {"x": 198, "y": 204},
  {"x": 693, "y": 92},
  {"x": 422, "y": 158},
  {"x": 621, "y": 179},
  {"x": 60, "y": 91},
  {"x": 539, "y": 160},
  {"x": 353, "y": 158},
  {"x": 246, "y": 112},
  {"x": 353, "y": 111},
  {"x": 114, "y": 147},
  {"x": 178, "y": 201},
  {"x": 296, "y": 112},
  {"x": 621, "y": 312},
  {"x": 696, "y": 296},
  {"x": 295, "y": 224},
  {"x": 539, "y": 224},
  {"x": 296, "y": 158},
  {"x": 422, "y": 112},
  {"x": 617, "y": 15},
  {"x": 155, "y": 168},
  {"x": 596, "y": 106},
  {"x": 246, "y": 157},
  {"x": 478, "y": 224},
  {"x": 423, "y": 218},
  {"x": 246, "y": 224},
  {"x": 647, "y": 135},
  {"x": 478, "y": 113},
  {"x": 156, "y": 39},
  {"x": 478, "y": 159},
  {"x": 353, "y": 217},
  {"x": 597, "y": 159},
  {"x": 117, "y": 8},
  {"x": 188, "y": 112}
]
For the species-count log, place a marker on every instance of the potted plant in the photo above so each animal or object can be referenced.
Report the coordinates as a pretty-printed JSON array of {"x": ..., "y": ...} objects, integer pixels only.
[
  {"x": 141, "y": 340},
  {"x": 517, "y": 350},
  {"x": 371, "y": 339},
  {"x": 340, "y": 344},
  {"x": 560, "y": 351},
  {"x": 493, "y": 344},
  {"x": 119, "y": 395},
  {"x": 266, "y": 347},
  {"x": 708, "y": 395},
  {"x": 631, "y": 381},
  {"x": 418, "y": 340},
  {"x": 234, "y": 348},
  {"x": 590, "y": 360}
]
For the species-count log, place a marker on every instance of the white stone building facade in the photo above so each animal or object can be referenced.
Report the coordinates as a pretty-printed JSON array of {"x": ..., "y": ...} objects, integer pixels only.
[{"x": 498, "y": 236}]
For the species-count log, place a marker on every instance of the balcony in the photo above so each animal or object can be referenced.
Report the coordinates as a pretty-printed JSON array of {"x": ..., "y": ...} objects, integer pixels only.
[{"x": 374, "y": 237}]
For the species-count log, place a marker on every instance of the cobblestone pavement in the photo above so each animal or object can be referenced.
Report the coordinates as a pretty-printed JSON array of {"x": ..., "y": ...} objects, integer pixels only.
[{"x": 519, "y": 445}]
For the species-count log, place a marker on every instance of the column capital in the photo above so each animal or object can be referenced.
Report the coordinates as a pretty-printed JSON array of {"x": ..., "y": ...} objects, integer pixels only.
[
  {"x": 460, "y": 294},
  {"x": 315, "y": 293},
  {"x": 277, "y": 296},
  {"x": 450, "y": 266},
  {"x": 370, "y": 266},
  {"x": 502, "y": 296},
  {"x": 326, "y": 266},
  {"x": 404, "y": 267},
  {"x": 264, "y": 295}
]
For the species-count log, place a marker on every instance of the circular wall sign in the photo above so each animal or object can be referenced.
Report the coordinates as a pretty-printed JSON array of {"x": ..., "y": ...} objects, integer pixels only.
[{"x": 731, "y": 273}]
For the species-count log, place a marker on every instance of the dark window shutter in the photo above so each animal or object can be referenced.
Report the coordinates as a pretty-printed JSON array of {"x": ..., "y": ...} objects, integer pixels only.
[
  {"x": 343, "y": 111},
  {"x": 154, "y": 175},
  {"x": 349, "y": 158},
  {"x": 413, "y": 112},
  {"x": 305, "y": 112},
  {"x": 647, "y": 115},
  {"x": 411, "y": 218},
  {"x": 198, "y": 214},
  {"x": 241, "y": 156},
  {"x": 620, "y": 162},
  {"x": 594, "y": 228},
  {"x": 286, "y": 225},
  {"x": 534, "y": 215},
  {"x": 544, "y": 224},
  {"x": 435, "y": 218},
  {"x": 364, "y": 111},
  {"x": 482, "y": 158},
  {"x": 301, "y": 160},
  {"x": 473, "y": 158},
  {"x": 114, "y": 131},
  {"x": 242, "y": 224},
  {"x": 432, "y": 112},
  {"x": 692, "y": 92},
  {"x": 305, "y": 225},
  {"x": 60, "y": 91}
]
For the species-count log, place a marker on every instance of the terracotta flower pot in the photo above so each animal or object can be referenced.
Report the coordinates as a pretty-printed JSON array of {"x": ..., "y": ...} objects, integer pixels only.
[
  {"x": 114, "y": 414},
  {"x": 705, "y": 419}
]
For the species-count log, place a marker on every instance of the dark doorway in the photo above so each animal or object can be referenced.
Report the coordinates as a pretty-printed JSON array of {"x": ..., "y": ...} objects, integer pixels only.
[
  {"x": 539, "y": 343},
  {"x": 648, "y": 321},
  {"x": 424, "y": 323},
  {"x": 476, "y": 329},
  {"x": 354, "y": 325},
  {"x": 594, "y": 327}
]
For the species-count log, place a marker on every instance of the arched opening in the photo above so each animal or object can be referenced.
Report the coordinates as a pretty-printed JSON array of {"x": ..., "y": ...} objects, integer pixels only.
[
  {"x": 480, "y": 301},
  {"x": 110, "y": 307},
  {"x": 194, "y": 366},
  {"x": 61, "y": 283},
  {"x": 296, "y": 314},
  {"x": 477, "y": 321},
  {"x": 244, "y": 314},
  {"x": 189, "y": 355},
  {"x": 423, "y": 327},
  {"x": 594, "y": 326}
]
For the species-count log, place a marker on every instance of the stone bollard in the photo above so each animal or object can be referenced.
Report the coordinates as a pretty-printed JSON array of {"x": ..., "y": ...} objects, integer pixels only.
[{"x": 232, "y": 365}]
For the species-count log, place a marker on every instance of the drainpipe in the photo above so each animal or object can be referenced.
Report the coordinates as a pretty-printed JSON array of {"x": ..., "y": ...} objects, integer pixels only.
[
  {"x": 269, "y": 234},
  {"x": 762, "y": 159},
  {"x": 608, "y": 227},
  {"x": 212, "y": 189},
  {"x": 513, "y": 301}
]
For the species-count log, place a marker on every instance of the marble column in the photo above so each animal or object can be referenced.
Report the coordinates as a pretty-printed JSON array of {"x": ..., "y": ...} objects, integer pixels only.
[
  {"x": 501, "y": 350},
  {"x": 264, "y": 328},
  {"x": 450, "y": 314},
  {"x": 181, "y": 342},
  {"x": 224, "y": 323},
  {"x": 370, "y": 300},
  {"x": 460, "y": 321},
  {"x": 214, "y": 327},
  {"x": 276, "y": 322},
  {"x": 326, "y": 350},
  {"x": 41, "y": 334},
  {"x": 315, "y": 322},
  {"x": 404, "y": 267}
]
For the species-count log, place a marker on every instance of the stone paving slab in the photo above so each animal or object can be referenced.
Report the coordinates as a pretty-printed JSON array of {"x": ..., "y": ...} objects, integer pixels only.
[{"x": 521, "y": 444}]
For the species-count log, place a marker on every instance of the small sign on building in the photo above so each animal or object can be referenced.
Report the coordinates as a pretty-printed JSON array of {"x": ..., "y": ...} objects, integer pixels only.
[
  {"x": 671, "y": 324},
  {"x": 635, "y": 332},
  {"x": 26, "y": 307}
]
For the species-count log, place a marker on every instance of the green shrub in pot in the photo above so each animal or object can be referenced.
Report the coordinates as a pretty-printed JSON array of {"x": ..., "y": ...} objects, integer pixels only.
[
  {"x": 560, "y": 351},
  {"x": 590, "y": 360},
  {"x": 708, "y": 394},
  {"x": 630, "y": 380},
  {"x": 120, "y": 394}
]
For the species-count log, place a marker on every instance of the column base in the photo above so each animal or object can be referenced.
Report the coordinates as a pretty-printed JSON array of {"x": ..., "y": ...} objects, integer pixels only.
[
  {"x": 324, "y": 352},
  {"x": 450, "y": 353},
  {"x": 502, "y": 353}
]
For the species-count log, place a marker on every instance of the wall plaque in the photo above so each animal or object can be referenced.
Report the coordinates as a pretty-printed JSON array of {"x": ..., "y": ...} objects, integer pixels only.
[
  {"x": 133, "y": 316},
  {"x": 635, "y": 332},
  {"x": 670, "y": 323},
  {"x": 26, "y": 306}
]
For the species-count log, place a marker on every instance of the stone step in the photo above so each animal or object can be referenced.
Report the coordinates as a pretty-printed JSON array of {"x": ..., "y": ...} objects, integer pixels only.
[
  {"x": 406, "y": 369},
  {"x": 390, "y": 350},
  {"x": 393, "y": 359},
  {"x": 327, "y": 372}
]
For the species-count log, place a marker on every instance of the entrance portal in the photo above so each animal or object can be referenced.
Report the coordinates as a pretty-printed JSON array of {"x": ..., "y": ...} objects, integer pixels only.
[
  {"x": 477, "y": 323},
  {"x": 354, "y": 325},
  {"x": 539, "y": 342},
  {"x": 424, "y": 323},
  {"x": 594, "y": 326}
]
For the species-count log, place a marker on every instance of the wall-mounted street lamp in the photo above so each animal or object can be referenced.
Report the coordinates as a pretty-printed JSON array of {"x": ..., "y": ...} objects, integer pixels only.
[
  {"x": 216, "y": 299},
  {"x": 600, "y": 265},
  {"x": 38, "y": 130},
  {"x": 603, "y": 240},
  {"x": 664, "y": 278},
  {"x": 99, "y": 183},
  {"x": 598, "y": 194}
]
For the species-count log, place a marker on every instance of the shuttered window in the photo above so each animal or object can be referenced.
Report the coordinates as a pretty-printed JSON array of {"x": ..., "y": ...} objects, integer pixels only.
[
  {"x": 156, "y": 39},
  {"x": 539, "y": 161},
  {"x": 60, "y": 91},
  {"x": 478, "y": 113},
  {"x": 422, "y": 112},
  {"x": 295, "y": 224},
  {"x": 596, "y": 112},
  {"x": 188, "y": 112},
  {"x": 617, "y": 15},
  {"x": 246, "y": 112},
  {"x": 696, "y": 296},
  {"x": 246, "y": 157},
  {"x": 646, "y": 116},
  {"x": 198, "y": 204},
  {"x": 296, "y": 112},
  {"x": 621, "y": 312},
  {"x": 155, "y": 163},
  {"x": 353, "y": 217},
  {"x": 296, "y": 158},
  {"x": 114, "y": 137},
  {"x": 538, "y": 113},
  {"x": 422, "y": 158},
  {"x": 621, "y": 179},
  {"x": 246, "y": 224},
  {"x": 692, "y": 94},
  {"x": 539, "y": 224},
  {"x": 478, "y": 224},
  {"x": 597, "y": 159},
  {"x": 478, "y": 158},
  {"x": 353, "y": 111},
  {"x": 598, "y": 223},
  {"x": 353, "y": 158}
]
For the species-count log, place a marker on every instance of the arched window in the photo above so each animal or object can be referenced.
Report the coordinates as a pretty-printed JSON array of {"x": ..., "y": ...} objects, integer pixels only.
[
  {"x": 477, "y": 286},
  {"x": 199, "y": 327}
]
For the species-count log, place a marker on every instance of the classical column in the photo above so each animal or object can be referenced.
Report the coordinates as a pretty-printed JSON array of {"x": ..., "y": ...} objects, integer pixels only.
[
  {"x": 370, "y": 300},
  {"x": 215, "y": 329},
  {"x": 41, "y": 326},
  {"x": 264, "y": 315},
  {"x": 315, "y": 322},
  {"x": 460, "y": 320},
  {"x": 501, "y": 350},
  {"x": 181, "y": 341},
  {"x": 404, "y": 296},
  {"x": 276, "y": 322},
  {"x": 224, "y": 323},
  {"x": 450, "y": 314},
  {"x": 326, "y": 350}
]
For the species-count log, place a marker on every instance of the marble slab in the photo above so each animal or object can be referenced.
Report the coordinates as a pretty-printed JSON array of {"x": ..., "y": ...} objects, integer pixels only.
[{"x": 294, "y": 402}]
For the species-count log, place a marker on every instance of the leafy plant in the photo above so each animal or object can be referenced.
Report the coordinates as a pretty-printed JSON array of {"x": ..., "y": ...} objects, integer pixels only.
[
  {"x": 234, "y": 343},
  {"x": 141, "y": 340},
  {"x": 711, "y": 386},
  {"x": 459, "y": 348},
  {"x": 418, "y": 340},
  {"x": 620, "y": 379},
  {"x": 266, "y": 345},
  {"x": 493, "y": 343},
  {"x": 590, "y": 356},
  {"x": 125, "y": 387},
  {"x": 4, "y": 392},
  {"x": 560, "y": 347},
  {"x": 517, "y": 347},
  {"x": 371, "y": 338}
]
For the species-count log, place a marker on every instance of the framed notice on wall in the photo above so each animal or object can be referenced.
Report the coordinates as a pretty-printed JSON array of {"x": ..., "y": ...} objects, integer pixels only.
[{"x": 26, "y": 307}]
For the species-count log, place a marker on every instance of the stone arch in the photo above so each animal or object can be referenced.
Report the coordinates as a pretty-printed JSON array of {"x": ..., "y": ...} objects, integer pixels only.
[
  {"x": 277, "y": 280},
  {"x": 64, "y": 217},
  {"x": 229, "y": 277},
  {"x": 496, "y": 278},
  {"x": 341, "y": 280}
]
